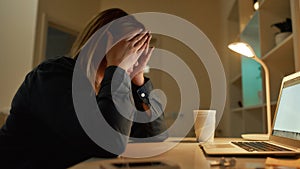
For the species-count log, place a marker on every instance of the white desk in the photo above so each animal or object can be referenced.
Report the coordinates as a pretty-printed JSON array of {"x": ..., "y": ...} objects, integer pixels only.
[{"x": 187, "y": 154}]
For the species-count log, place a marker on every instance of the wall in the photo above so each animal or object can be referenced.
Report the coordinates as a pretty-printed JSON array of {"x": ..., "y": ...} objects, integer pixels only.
[
  {"x": 229, "y": 21},
  {"x": 206, "y": 15},
  {"x": 22, "y": 34},
  {"x": 18, "y": 23},
  {"x": 70, "y": 15}
]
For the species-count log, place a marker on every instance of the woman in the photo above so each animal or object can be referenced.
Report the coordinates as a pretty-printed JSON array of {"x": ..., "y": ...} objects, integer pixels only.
[{"x": 43, "y": 129}]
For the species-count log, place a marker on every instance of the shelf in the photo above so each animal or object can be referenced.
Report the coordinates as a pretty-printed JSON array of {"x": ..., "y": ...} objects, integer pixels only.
[
  {"x": 253, "y": 107},
  {"x": 273, "y": 103},
  {"x": 245, "y": 12},
  {"x": 262, "y": 3},
  {"x": 271, "y": 12},
  {"x": 234, "y": 13},
  {"x": 256, "y": 28},
  {"x": 237, "y": 109},
  {"x": 276, "y": 6},
  {"x": 253, "y": 24},
  {"x": 280, "y": 61},
  {"x": 237, "y": 79},
  {"x": 285, "y": 45}
]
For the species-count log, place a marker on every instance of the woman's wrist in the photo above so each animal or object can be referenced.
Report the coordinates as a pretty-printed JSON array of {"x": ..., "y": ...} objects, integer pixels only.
[{"x": 138, "y": 80}]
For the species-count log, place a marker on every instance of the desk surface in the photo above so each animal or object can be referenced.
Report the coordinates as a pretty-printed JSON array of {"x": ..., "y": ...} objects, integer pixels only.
[{"x": 187, "y": 154}]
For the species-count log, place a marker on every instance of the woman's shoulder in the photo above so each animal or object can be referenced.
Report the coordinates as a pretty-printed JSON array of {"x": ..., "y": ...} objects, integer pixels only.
[{"x": 57, "y": 64}]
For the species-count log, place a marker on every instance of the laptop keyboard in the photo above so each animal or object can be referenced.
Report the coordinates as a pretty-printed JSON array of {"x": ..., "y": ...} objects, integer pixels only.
[{"x": 259, "y": 146}]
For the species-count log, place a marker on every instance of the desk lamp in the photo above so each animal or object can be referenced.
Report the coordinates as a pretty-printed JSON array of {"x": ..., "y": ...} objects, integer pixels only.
[{"x": 246, "y": 50}]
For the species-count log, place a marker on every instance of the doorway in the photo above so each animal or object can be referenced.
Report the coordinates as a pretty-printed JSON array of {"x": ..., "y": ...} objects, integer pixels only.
[{"x": 59, "y": 41}]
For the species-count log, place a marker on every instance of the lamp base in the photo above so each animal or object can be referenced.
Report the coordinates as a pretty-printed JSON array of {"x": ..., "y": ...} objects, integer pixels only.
[{"x": 255, "y": 136}]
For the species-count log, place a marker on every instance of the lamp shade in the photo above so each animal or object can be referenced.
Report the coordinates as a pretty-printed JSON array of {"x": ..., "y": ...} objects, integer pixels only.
[{"x": 242, "y": 48}]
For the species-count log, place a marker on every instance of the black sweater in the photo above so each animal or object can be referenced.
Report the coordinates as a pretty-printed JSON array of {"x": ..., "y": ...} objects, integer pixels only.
[{"x": 43, "y": 131}]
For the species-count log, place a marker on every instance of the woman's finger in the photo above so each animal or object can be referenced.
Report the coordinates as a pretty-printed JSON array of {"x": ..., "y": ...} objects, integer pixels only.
[
  {"x": 148, "y": 43},
  {"x": 144, "y": 46},
  {"x": 143, "y": 60},
  {"x": 136, "y": 36},
  {"x": 141, "y": 44},
  {"x": 148, "y": 55},
  {"x": 133, "y": 34},
  {"x": 136, "y": 64}
]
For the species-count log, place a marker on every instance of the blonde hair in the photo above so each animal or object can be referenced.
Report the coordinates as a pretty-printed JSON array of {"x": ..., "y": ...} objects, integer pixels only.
[
  {"x": 109, "y": 21},
  {"x": 98, "y": 21}
]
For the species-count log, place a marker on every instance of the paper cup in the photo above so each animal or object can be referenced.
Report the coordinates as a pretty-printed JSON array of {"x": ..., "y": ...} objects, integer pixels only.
[{"x": 204, "y": 125}]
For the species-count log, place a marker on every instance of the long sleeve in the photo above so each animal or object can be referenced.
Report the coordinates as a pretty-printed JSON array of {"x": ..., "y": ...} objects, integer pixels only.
[
  {"x": 154, "y": 130},
  {"x": 108, "y": 122},
  {"x": 45, "y": 128},
  {"x": 115, "y": 99},
  {"x": 116, "y": 90}
]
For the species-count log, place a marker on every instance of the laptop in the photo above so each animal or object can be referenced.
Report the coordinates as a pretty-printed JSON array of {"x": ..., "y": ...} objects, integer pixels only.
[{"x": 285, "y": 129}]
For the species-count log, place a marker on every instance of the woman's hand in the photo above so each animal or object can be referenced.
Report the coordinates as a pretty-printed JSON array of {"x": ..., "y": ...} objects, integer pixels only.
[
  {"x": 137, "y": 73},
  {"x": 127, "y": 51}
]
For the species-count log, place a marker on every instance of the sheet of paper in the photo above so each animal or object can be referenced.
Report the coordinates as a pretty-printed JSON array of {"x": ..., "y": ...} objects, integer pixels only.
[{"x": 280, "y": 162}]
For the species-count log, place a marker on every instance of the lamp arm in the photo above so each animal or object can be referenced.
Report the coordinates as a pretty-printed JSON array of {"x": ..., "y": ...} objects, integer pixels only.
[{"x": 267, "y": 86}]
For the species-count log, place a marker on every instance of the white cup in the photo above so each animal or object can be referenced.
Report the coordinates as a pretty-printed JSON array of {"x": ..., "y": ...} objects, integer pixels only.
[{"x": 204, "y": 125}]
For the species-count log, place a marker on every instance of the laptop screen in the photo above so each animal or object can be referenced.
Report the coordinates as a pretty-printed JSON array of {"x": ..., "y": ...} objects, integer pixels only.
[{"x": 287, "y": 122}]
